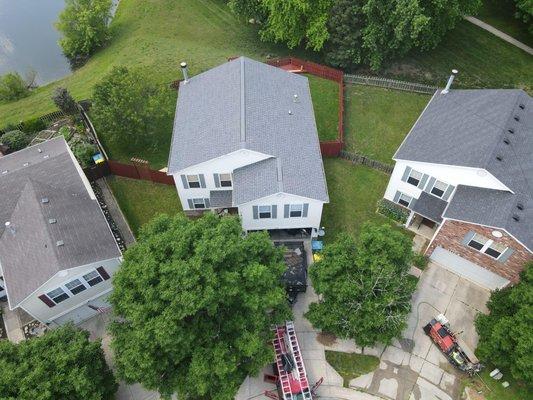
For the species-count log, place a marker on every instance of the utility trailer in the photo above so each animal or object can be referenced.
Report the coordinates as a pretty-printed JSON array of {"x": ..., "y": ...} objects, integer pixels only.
[{"x": 456, "y": 351}]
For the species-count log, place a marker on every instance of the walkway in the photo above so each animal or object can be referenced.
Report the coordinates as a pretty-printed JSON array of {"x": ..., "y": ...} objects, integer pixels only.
[{"x": 500, "y": 34}]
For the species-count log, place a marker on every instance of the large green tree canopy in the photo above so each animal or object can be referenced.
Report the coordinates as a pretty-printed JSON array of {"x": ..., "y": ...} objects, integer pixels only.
[
  {"x": 61, "y": 365},
  {"x": 354, "y": 32},
  {"x": 84, "y": 27},
  {"x": 364, "y": 286},
  {"x": 505, "y": 338},
  {"x": 196, "y": 301}
]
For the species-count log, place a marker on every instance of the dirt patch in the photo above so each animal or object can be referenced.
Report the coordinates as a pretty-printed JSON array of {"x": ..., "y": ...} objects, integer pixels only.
[{"x": 327, "y": 339}]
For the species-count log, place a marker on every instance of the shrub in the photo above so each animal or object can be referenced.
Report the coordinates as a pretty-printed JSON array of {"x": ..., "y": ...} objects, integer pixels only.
[
  {"x": 64, "y": 101},
  {"x": 33, "y": 125},
  {"x": 84, "y": 27},
  {"x": 16, "y": 140},
  {"x": 65, "y": 132},
  {"x": 420, "y": 260},
  {"x": 393, "y": 211},
  {"x": 84, "y": 153},
  {"x": 12, "y": 87}
]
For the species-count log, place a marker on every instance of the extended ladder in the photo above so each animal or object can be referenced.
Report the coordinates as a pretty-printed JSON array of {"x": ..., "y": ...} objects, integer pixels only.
[
  {"x": 300, "y": 367},
  {"x": 279, "y": 347}
]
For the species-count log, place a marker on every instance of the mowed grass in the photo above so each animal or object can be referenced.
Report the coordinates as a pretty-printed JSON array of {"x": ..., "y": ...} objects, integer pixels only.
[
  {"x": 483, "y": 61},
  {"x": 325, "y": 95},
  {"x": 140, "y": 200},
  {"x": 351, "y": 365},
  {"x": 155, "y": 36},
  {"x": 493, "y": 390},
  {"x": 377, "y": 119},
  {"x": 353, "y": 193},
  {"x": 500, "y": 14}
]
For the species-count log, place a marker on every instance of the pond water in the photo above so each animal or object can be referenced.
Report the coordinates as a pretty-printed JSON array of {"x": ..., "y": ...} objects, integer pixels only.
[{"x": 28, "y": 39}]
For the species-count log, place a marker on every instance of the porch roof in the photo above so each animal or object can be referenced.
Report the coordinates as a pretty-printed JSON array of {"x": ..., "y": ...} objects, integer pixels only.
[
  {"x": 430, "y": 207},
  {"x": 221, "y": 198}
]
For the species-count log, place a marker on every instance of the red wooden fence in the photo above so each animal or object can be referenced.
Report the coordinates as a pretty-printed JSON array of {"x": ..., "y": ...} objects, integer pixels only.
[{"x": 135, "y": 171}]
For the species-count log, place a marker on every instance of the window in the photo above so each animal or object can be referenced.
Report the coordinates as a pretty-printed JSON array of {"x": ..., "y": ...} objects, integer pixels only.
[
  {"x": 75, "y": 286},
  {"x": 265, "y": 212},
  {"x": 57, "y": 295},
  {"x": 225, "y": 180},
  {"x": 487, "y": 246},
  {"x": 439, "y": 188},
  {"x": 296, "y": 210},
  {"x": 92, "y": 278},
  {"x": 194, "y": 181},
  {"x": 198, "y": 204},
  {"x": 495, "y": 250},
  {"x": 404, "y": 200},
  {"x": 414, "y": 178},
  {"x": 478, "y": 242}
]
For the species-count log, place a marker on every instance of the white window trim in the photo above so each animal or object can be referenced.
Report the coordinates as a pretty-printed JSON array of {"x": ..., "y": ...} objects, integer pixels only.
[
  {"x": 403, "y": 194},
  {"x": 195, "y": 182},
  {"x": 202, "y": 201},
  {"x": 81, "y": 280},
  {"x": 301, "y": 210},
  {"x": 419, "y": 180},
  {"x": 259, "y": 212},
  {"x": 223, "y": 180},
  {"x": 65, "y": 291},
  {"x": 487, "y": 244},
  {"x": 443, "y": 193}
]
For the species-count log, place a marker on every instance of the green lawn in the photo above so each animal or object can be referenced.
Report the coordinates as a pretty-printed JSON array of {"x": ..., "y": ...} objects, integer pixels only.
[
  {"x": 493, "y": 390},
  {"x": 483, "y": 60},
  {"x": 141, "y": 200},
  {"x": 155, "y": 35},
  {"x": 500, "y": 14},
  {"x": 377, "y": 119},
  {"x": 325, "y": 94},
  {"x": 351, "y": 365},
  {"x": 353, "y": 193}
]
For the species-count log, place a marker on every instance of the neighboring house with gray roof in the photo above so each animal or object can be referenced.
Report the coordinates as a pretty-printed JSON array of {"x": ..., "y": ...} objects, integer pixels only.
[
  {"x": 465, "y": 172},
  {"x": 57, "y": 252},
  {"x": 245, "y": 140}
]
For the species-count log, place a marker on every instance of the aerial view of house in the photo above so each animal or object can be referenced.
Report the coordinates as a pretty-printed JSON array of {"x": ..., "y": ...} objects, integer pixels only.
[
  {"x": 464, "y": 173},
  {"x": 245, "y": 140},
  {"x": 57, "y": 253},
  {"x": 266, "y": 199}
]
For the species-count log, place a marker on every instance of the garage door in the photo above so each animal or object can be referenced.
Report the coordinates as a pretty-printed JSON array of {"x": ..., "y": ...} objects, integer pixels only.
[
  {"x": 468, "y": 269},
  {"x": 85, "y": 311}
]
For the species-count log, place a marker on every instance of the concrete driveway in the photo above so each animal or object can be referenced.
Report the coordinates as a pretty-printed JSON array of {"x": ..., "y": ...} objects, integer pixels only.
[{"x": 413, "y": 368}]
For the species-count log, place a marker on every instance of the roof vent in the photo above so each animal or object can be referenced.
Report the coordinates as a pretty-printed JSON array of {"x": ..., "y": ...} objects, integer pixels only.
[
  {"x": 185, "y": 72},
  {"x": 26, "y": 164},
  {"x": 510, "y": 130},
  {"x": 450, "y": 81},
  {"x": 506, "y": 141},
  {"x": 520, "y": 206},
  {"x": 52, "y": 220},
  {"x": 295, "y": 99},
  {"x": 516, "y": 217},
  {"x": 522, "y": 106},
  {"x": 46, "y": 156},
  {"x": 5, "y": 172},
  {"x": 39, "y": 150},
  {"x": 516, "y": 118},
  {"x": 60, "y": 243},
  {"x": 290, "y": 112},
  {"x": 45, "y": 200},
  {"x": 499, "y": 158},
  {"x": 10, "y": 227}
]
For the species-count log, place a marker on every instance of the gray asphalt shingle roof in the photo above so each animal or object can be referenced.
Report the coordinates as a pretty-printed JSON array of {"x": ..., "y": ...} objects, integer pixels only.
[
  {"x": 491, "y": 129},
  {"x": 246, "y": 104},
  {"x": 29, "y": 254},
  {"x": 430, "y": 206}
]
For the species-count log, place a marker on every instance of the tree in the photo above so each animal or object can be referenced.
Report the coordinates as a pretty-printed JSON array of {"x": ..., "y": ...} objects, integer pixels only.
[
  {"x": 84, "y": 27},
  {"x": 64, "y": 101},
  {"x": 376, "y": 31},
  {"x": 63, "y": 364},
  {"x": 505, "y": 334},
  {"x": 128, "y": 108},
  {"x": 296, "y": 21},
  {"x": 248, "y": 9},
  {"x": 524, "y": 12},
  {"x": 12, "y": 87},
  {"x": 196, "y": 300},
  {"x": 364, "y": 286},
  {"x": 15, "y": 140}
]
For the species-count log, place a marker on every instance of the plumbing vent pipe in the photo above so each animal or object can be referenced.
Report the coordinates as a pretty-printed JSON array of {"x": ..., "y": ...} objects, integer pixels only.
[
  {"x": 185, "y": 72},
  {"x": 450, "y": 81}
]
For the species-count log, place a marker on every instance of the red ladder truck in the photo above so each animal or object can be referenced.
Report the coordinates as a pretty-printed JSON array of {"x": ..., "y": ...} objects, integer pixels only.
[{"x": 292, "y": 380}]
